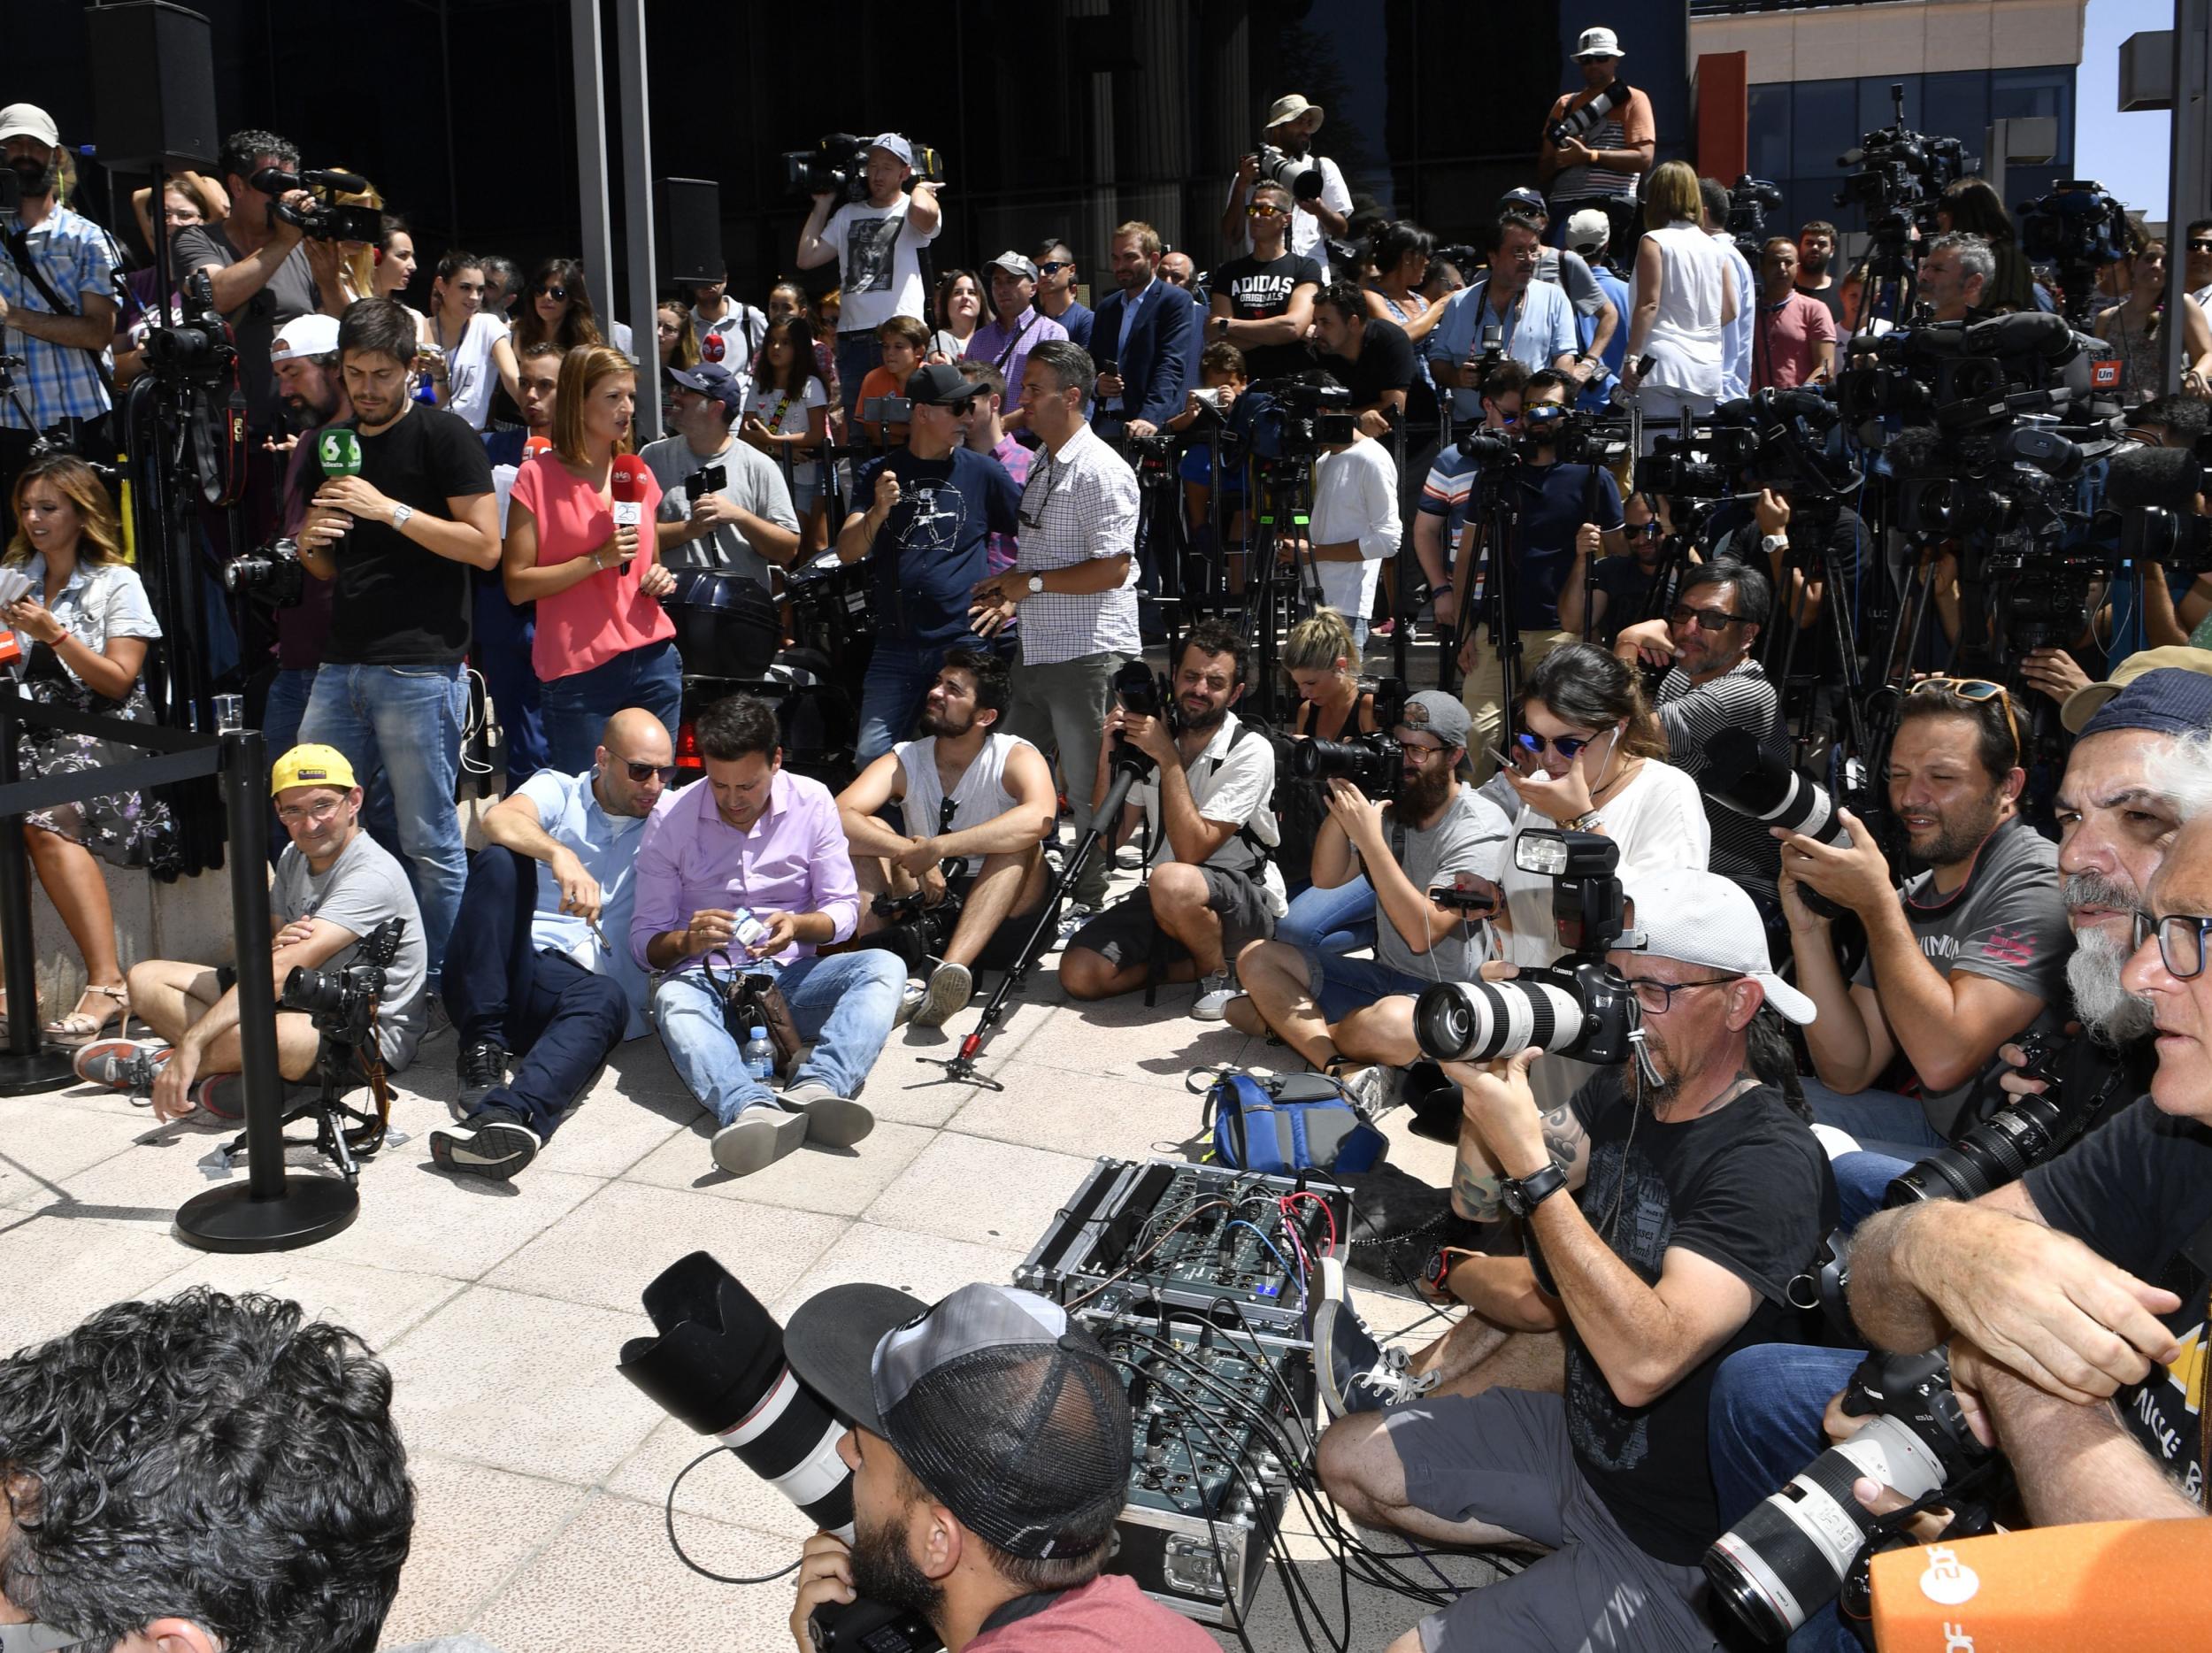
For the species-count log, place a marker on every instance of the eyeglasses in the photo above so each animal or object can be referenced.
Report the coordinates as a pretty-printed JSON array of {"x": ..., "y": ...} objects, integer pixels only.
[
  {"x": 2201, "y": 246},
  {"x": 1978, "y": 690},
  {"x": 293, "y": 814},
  {"x": 1263, "y": 209},
  {"x": 551, "y": 292},
  {"x": 1426, "y": 745},
  {"x": 1052, "y": 480},
  {"x": 1054, "y": 267},
  {"x": 1634, "y": 529},
  {"x": 1568, "y": 746},
  {"x": 2180, "y": 942},
  {"x": 1657, "y": 997},
  {"x": 1707, "y": 619},
  {"x": 643, "y": 773}
]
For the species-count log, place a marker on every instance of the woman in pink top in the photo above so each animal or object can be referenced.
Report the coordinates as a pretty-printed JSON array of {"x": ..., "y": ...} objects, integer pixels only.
[{"x": 603, "y": 640}]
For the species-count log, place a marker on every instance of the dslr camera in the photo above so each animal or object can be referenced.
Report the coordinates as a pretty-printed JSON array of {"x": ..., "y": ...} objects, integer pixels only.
[
  {"x": 1581, "y": 1006},
  {"x": 1373, "y": 762},
  {"x": 1297, "y": 175},
  {"x": 933, "y": 926},
  {"x": 323, "y": 219},
  {"x": 838, "y": 166},
  {"x": 273, "y": 574},
  {"x": 344, "y": 1001},
  {"x": 2025, "y": 1132}
]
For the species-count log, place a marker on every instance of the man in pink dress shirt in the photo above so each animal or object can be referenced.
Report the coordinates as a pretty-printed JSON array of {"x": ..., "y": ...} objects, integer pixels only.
[{"x": 756, "y": 844}]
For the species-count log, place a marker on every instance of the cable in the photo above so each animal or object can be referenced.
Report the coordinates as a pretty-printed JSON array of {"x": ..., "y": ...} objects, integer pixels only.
[
  {"x": 1131, "y": 1267},
  {"x": 1290, "y": 1272},
  {"x": 1288, "y": 1200},
  {"x": 668, "y": 1514}
]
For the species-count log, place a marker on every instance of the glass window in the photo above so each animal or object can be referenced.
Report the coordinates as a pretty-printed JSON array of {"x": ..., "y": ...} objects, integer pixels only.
[
  {"x": 1963, "y": 102},
  {"x": 1824, "y": 116},
  {"x": 2020, "y": 92},
  {"x": 1876, "y": 108},
  {"x": 1767, "y": 128}
]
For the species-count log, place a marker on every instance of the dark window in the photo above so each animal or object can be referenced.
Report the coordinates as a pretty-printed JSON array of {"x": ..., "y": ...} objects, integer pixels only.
[
  {"x": 1767, "y": 127},
  {"x": 1824, "y": 122}
]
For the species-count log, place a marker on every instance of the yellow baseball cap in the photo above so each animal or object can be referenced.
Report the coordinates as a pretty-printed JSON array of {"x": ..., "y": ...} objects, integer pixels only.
[{"x": 312, "y": 767}]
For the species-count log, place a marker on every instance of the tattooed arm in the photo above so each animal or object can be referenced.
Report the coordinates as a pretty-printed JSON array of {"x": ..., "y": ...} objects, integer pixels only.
[{"x": 1475, "y": 1174}]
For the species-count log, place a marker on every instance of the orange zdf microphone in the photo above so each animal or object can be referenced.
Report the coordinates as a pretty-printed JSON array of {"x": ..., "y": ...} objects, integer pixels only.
[
  {"x": 2106, "y": 1587},
  {"x": 628, "y": 483}
]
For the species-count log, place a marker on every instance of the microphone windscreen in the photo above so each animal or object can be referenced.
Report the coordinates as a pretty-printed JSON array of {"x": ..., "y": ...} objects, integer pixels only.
[
  {"x": 2028, "y": 333},
  {"x": 2168, "y": 478},
  {"x": 628, "y": 481},
  {"x": 340, "y": 451},
  {"x": 1916, "y": 452}
]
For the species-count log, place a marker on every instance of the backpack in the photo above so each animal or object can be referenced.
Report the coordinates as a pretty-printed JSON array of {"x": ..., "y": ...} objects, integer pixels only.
[{"x": 1287, "y": 1124}]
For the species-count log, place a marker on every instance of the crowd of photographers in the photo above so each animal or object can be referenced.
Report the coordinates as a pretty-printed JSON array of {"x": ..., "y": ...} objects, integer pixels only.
[{"x": 1963, "y": 1109}]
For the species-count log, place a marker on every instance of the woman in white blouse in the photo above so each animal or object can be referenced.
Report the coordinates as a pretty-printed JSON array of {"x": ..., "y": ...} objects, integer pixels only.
[
  {"x": 80, "y": 630},
  {"x": 1680, "y": 298}
]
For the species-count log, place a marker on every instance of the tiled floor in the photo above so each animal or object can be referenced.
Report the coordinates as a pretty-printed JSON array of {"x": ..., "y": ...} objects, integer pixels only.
[{"x": 503, "y": 1309}]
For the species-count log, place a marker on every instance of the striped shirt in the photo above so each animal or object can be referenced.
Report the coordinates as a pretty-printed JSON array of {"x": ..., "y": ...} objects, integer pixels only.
[
  {"x": 1630, "y": 122},
  {"x": 1692, "y": 714},
  {"x": 78, "y": 260},
  {"x": 1077, "y": 504}
]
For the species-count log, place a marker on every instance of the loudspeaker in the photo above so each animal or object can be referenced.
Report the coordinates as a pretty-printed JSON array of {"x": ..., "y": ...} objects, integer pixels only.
[
  {"x": 691, "y": 230},
  {"x": 153, "y": 88}
]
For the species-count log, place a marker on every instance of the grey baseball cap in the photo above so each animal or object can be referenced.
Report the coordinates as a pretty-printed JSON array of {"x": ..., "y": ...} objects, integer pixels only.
[{"x": 1439, "y": 714}]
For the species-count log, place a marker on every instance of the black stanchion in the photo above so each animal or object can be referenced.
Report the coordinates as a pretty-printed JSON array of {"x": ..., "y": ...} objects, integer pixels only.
[
  {"x": 28, "y": 1065},
  {"x": 272, "y": 1211}
]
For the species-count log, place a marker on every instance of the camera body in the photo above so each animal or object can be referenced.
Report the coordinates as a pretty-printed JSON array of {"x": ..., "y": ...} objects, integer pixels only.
[
  {"x": 344, "y": 1001},
  {"x": 1796, "y": 1551},
  {"x": 325, "y": 220},
  {"x": 198, "y": 350},
  {"x": 1749, "y": 201},
  {"x": 2025, "y": 1132},
  {"x": 935, "y": 925},
  {"x": 1373, "y": 762},
  {"x": 838, "y": 166},
  {"x": 1697, "y": 465},
  {"x": 273, "y": 574},
  {"x": 1297, "y": 175},
  {"x": 887, "y": 409}
]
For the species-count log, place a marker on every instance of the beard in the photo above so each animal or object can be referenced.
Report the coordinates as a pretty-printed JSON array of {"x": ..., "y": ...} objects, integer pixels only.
[
  {"x": 883, "y": 1571},
  {"x": 1811, "y": 263},
  {"x": 37, "y": 176},
  {"x": 1955, "y": 840},
  {"x": 1421, "y": 795},
  {"x": 2112, "y": 1014},
  {"x": 1197, "y": 721},
  {"x": 940, "y": 726}
]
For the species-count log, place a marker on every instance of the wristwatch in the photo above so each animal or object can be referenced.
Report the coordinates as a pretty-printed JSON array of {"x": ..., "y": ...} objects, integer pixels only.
[
  {"x": 400, "y": 513},
  {"x": 1524, "y": 1194},
  {"x": 1036, "y": 584},
  {"x": 1772, "y": 542},
  {"x": 1588, "y": 821}
]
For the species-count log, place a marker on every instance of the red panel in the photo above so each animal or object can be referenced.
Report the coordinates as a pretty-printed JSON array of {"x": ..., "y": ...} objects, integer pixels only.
[{"x": 1723, "y": 101}]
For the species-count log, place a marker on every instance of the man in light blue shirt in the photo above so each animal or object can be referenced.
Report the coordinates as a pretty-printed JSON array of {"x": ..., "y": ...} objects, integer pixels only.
[
  {"x": 540, "y": 975},
  {"x": 1735, "y": 358},
  {"x": 1534, "y": 322}
]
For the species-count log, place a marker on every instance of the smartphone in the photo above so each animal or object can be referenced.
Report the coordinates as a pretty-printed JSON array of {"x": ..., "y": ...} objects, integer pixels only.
[{"x": 1500, "y": 758}]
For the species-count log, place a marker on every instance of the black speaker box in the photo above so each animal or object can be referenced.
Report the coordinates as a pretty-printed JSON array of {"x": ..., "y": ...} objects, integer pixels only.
[
  {"x": 153, "y": 87},
  {"x": 691, "y": 230}
]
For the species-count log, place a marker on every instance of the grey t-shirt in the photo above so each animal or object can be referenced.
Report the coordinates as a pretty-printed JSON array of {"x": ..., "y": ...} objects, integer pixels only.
[
  {"x": 753, "y": 480},
  {"x": 290, "y": 292},
  {"x": 1469, "y": 836},
  {"x": 364, "y": 886},
  {"x": 1565, "y": 267},
  {"x": 2008, "y": 922}
]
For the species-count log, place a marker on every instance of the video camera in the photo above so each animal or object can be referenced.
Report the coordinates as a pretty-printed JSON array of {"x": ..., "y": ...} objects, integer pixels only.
[
  {"x": 1900, "y": 175},
  {"x": 344, "y": 1001},
  {"x": 933, "y": 925},
  {"x": 323, "y": 219},
  {"x": 1373, "y": 762},
  {"x": 2079, "y": 228},
  {"x": 1749, "y": 201},
  {"x": 1697, "y": 463},
  {"x": 838, "y": 166},
  {"x": 1581, "y": 1006},
  {"x": 2155, "y": 490},
  {"x": 1573, "y": 436},
  {"x": 273, "y": 574},
  {"x": 197, "y": 349},
  {"x": 1306, "y": 415},
  {"x": 1804, "y": 1544}
]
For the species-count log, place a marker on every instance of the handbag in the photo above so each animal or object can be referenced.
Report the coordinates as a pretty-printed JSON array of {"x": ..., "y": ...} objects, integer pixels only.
[
  {"x": 1289, "y": 1123},
  {"x": 751, "y": 1000}
]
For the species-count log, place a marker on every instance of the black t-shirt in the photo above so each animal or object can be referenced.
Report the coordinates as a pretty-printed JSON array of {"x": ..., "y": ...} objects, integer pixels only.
[
  {"x": 1386, "y": 363},
  {"x": 2138, "y": 1192},
  {"x": 1256, "y": 291},
  {"x": 930, "y": 551},
  {"x": 1829, "y": 298},
  {"x": 1627, "y": 586},
  {"x": 1551, "y": 508},
  {"x": 1747, "y": 1186},
  {"x": 396, "y": 604}
]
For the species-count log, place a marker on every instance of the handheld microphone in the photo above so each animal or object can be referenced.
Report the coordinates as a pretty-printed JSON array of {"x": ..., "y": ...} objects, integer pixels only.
[
  {"x": 338, "y": 451},
  {"x": 533, "y": 446},
  {"x": 628, "y": 483}
]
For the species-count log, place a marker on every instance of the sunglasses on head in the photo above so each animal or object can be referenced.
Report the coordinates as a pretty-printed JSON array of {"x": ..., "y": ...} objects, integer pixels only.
[
  {"x": 552, "y": 292},
  {"x": 1978, "y": 690},
  {"x": 1568, "y": 746}
]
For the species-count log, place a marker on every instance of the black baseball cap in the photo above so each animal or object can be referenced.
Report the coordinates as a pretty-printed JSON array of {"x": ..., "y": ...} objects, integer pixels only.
[
  {"x": 940, "y": 384},
  {"x": 1013, "y": 1416}
]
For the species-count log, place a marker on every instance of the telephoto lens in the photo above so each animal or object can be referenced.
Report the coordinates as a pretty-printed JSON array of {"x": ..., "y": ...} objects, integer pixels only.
[
  {"x": 1476, "y": 1021},
  {"x": 1999, "y": 1150},
  {"x": 1373, "y": 762},
  {"x": 717, "y": 1364}
]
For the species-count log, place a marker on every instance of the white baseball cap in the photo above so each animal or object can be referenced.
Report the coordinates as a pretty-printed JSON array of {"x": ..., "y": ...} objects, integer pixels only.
[
  {"x": 311, "y": 335},
  {"x": 1701, "y": 918},
  {"x": 28, "y": 121},
  {"x": 1588, "y": 229},
  {"x": 1598, "y": 43},
  {"x": 894, "y": 144}
]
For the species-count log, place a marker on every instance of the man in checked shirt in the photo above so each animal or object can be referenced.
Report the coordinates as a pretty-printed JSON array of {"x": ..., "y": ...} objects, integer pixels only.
[{"x": 1074, "y": 580}]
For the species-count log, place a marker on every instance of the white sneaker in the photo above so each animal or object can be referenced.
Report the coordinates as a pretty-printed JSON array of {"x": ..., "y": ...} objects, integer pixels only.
[
  {"x": 950, "y": 987},
  {"x": 911, "y": 1000},
  {"x": 1214, "y": 993}
]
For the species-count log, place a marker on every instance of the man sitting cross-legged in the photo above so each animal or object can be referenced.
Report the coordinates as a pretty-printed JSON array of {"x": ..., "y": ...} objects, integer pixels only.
[
  {"x": 335, "y": 884},
  {"x": 970, "y": 795},
  {"x": 539, "y": 975}
]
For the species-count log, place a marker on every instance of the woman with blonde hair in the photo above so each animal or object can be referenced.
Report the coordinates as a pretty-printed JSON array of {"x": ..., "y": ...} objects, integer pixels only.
[
  {"x": 81, "y": 631},
  {"x": 603, "y": 640},
  {"x": 1680, "y": 297},
  {"x": 1333, "y": 705}
]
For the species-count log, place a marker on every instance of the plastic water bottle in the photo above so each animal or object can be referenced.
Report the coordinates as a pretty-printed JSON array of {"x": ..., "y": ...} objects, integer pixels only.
[
  {"x": 760, "y": 1057},
  {"x": 749, "y": 931}
]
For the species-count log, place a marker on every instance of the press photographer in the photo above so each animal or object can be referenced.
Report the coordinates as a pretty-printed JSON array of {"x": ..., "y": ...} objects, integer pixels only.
[
  {"x": 336, "y": 886},
  {"x": 1599, "y": 140},
  {"x": 965, "y": 881},
  {"x": 1399, "y": 819},
  {"x": 1208, "y": 804},
  {"x": 1319, "y": 207},
  {"x": 58, "y": 295},
  {"x": 1568, "y": 1408},
  {"x": 1505, "y": 314},
  {"x": 876, "y": 243}
]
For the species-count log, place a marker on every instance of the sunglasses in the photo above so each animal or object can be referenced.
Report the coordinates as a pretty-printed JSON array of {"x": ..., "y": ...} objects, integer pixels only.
[
  {"x": 1052, "y": 481},
  {"x": 552, "y": 292},
  {"x": 2180, "y": 942},
  {"x": 1707, "y": 619},
  {"x": 1054, "y": 267},
  {"x": 643, "y": 773},
  {"x": 1650, "y": 530},
  {"x": 2201, "y": 246},
  {"x": 1568, "y": 746},
  {"x": 1978, "y": 690},
  {"x": 1261, "y": 208}
]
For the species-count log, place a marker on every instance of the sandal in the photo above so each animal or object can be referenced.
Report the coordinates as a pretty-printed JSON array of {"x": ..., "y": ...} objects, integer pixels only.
[{"x": 79, "y": 1028}]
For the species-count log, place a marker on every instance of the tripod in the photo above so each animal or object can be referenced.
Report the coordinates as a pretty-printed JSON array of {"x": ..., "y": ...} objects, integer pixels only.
[
  {"x": 1821, "y": 567},
  {"x": 344, "y": 1135},
  {"x": 1130, "y": 766},
  {"x": 1281, "y": 495},
  {"x": 1487, "y": 544}
]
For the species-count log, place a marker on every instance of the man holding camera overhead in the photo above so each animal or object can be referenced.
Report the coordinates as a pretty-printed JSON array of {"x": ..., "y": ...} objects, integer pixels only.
[
  {"x": 1291, "y": 124},
  {"x": 876, "y": 245}
]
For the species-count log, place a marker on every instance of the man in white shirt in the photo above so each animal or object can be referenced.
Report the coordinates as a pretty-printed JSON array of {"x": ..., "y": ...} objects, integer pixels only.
[
  {"x": 1735, "y": 361},
  {"x": 744, "y": 522},
  {"x": 1354, "y": 524},
  {"x": 729, "y": 332},
  {"x": 876, "y": 244},
  {"x": 1291, "y": 124}
]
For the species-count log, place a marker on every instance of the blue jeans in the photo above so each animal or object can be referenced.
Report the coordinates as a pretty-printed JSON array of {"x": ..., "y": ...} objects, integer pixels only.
[
  {"x": 1342, "y": 985},
  {"x": 898, "y": 680},
  {"x": 858, "y": 353},
  {"x": 280, "y": 733},
  {"x": 561, "y": 1018},
  {"x": 1764, "y": 1427},
  {"x": 504, "y": 633},
  {"x": 577, "y": 707},
  {"x": 845, "y": 1004},
  {"x": 406, "y": 720},
  {"x": 1892, "y": 1132},
  {"x": 1338, "y": 920}
]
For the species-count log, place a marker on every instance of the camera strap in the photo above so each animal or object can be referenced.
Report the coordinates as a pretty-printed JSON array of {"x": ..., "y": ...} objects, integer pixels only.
[{"x": 19, "y": 249}]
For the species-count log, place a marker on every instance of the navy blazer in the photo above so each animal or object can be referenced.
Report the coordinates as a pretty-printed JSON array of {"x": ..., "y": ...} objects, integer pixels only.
[{"x": 1159, "y": 360}]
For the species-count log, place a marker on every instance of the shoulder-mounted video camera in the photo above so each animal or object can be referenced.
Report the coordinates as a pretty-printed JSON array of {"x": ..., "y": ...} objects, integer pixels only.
[{"x": 838, "y": 166}]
